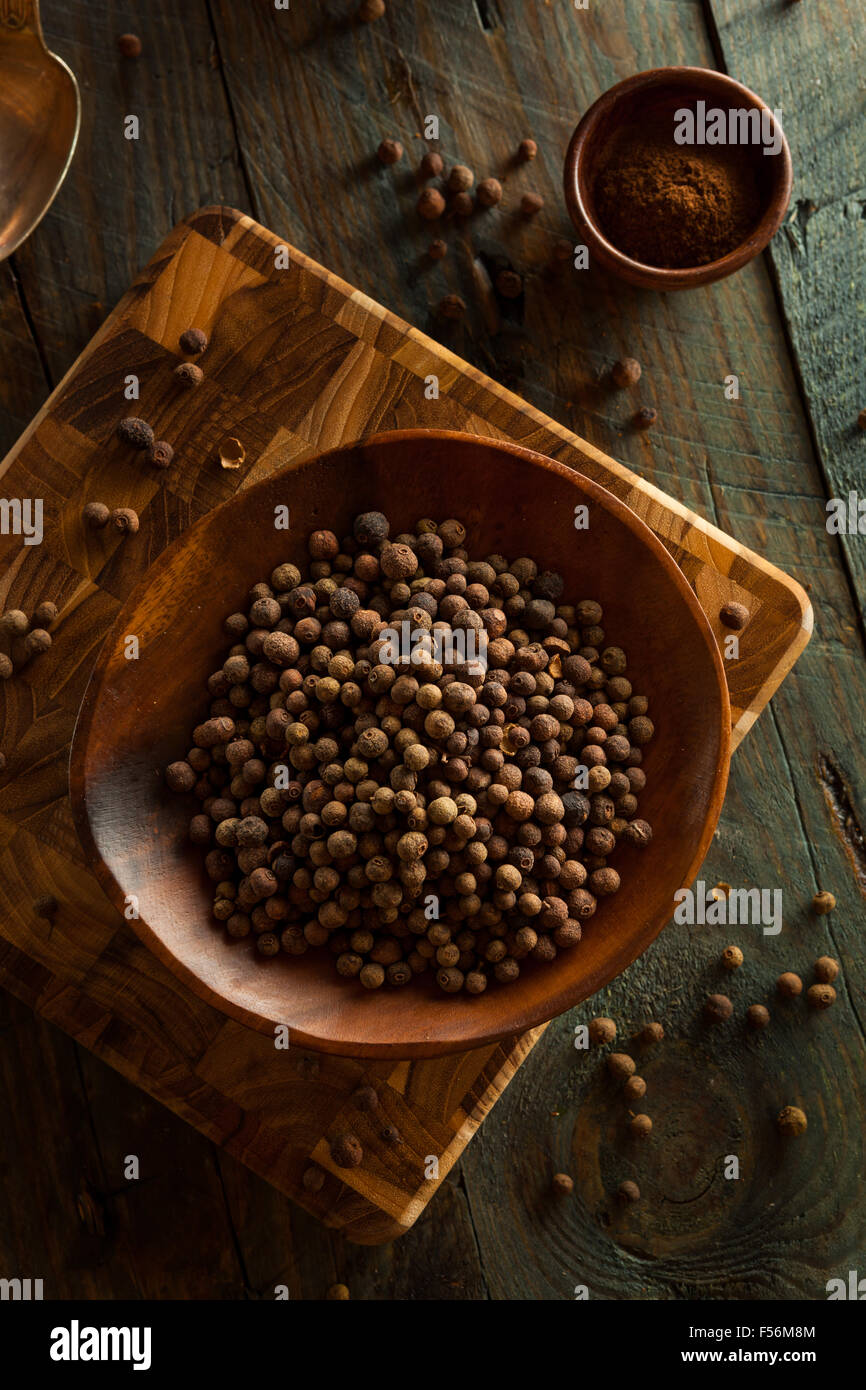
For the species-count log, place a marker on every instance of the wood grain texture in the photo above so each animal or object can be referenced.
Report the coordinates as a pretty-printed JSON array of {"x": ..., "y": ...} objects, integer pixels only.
[{"x": 794, "y": 809}]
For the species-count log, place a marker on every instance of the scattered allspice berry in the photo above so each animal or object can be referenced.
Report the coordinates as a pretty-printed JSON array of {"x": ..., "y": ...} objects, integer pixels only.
[
  {"x": 313, "y": 1179},
  {"x": 757, "y": 1016},
  {"x": 6, "y": 667},
  {"x": 641, "y": 1125},
  {"x": 431, "y": 165},
  {"x": 861, "y": 420},
  {"x": 717, "y": 1008},
  {"x": 634, "y": 1088},
  {"x": 36, "y": 642},
  {"x": 488, "y": 193},
  {"x": 370, "y": 10},
  {"x": 628, "y": 1191},
  {"x": 791, "y": 1121},
  {"x": 645, "y": 417},
  {"x": 732, "y": 958},
  {"x": 189, "y": 374},
  {"x": 562, "y": 1184},
  {"x": 136, "y": 433},
  {"x": 14, "y": 622},
  {"x": 452, "y": 307},
  {"x": 96, "y": 514},
  {"x": 389, "y": 152},
  {"x": 124, "y": 519},
  {"x": 531, "y": 204},
  {"x": 527, "y": 149},
  {"x": 734, "y": 615},
  {"x": 366, "y": 1098},
  {"x": 46, "y": 906},
  {"x": 509, "y": 284},
  {"x": 193, "y": 340},
  {"x": 461, "y": 179},
  {"x": 339, "y": 1293},
  {"x": 823, "y": 902},
  {"x": 651, "y": 1033},
  {"x": 45, "y": 614},
  {"x": 601, "y": 1030},
  {"x": 346, "y": 1151},
  {"x": 430, "y": 204},
  {"x": 437, "y": 249},
  {"x": 826, "y": 969},
  {"x": 462, "y": 205},
  {"x": 129, "y": 45},
  {"x": 160, "y": 453},
  {"x": 626, "y": 372},
  {"x": 820, "y": 996},
  {"x": 789, "y": 985},
  {"x": 620, "y": 1065}
]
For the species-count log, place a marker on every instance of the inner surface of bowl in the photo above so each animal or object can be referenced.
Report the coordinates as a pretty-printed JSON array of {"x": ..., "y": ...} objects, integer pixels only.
[{"x": 138, "y": 715}]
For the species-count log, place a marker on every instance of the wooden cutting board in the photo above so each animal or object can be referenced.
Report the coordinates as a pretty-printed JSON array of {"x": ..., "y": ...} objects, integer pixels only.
[{"x": 298, "y": 362}]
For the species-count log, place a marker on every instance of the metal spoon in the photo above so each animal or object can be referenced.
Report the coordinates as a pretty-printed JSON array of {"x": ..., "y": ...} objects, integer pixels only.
[{"x": 40, "y": 115}]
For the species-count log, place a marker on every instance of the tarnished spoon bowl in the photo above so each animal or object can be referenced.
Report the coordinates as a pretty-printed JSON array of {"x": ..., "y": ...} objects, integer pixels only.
[{"x": 40, "y": 114}]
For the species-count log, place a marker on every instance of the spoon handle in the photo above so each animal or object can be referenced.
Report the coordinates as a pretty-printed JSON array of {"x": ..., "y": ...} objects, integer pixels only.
[{"x": 20, "y": 14}]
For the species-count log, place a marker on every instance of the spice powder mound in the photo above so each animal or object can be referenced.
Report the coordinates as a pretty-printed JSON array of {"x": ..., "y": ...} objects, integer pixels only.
[{"x": 675, "y": 206}]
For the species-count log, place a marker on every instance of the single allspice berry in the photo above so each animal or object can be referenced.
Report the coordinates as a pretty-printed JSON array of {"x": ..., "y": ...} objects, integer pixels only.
[
  {"x": 370, "y": 10},
  {"x": 389, "y": 152},
  {"x": 461, "y": 179},
  {"x": 46, "y": 906},
  {"x": 734, "y": 615},
  {"x": 651, "y": 1033},
  {"x": 45, "y": 614},
  {"x": 14, "y": 622},
  {"x": 124, "y": 519},
  {"x": 717, "y": 1008},
  {"x": 527, "y": 149},
  {"x": 366, "y": 1098},
  {"x": 628, "y": 1192},
  {"x": 129, "y": 45},
  {"x": 346, "y": 1151},
  {"x": 509, "y": 284},
  {"x": 826, "y": 970},
  {"x": 861, "y": 420},
  {"x": 791, "y": 1121},
  {"x": 620, "y": 1065},
  {"x": 562, "y": 1184},
  {"x": 732, "y": 958},
  {"x": 95, "y": 515},
  {"x": 531, "y": 204},
  {"x": 462, "y": 205},
  {"x": 134, "y": 432},
  {"x": 626, "y": 372},
  {"x": 431, "y": 165},
  {"x": 437, "y": 249},
  {"x": 789, "y": 985},
  {"x": 488, "y": 193},
  {"x": 6, "y": 667},
  {"x": 193, "y": 340},
  {"x": 601, "y": 1031},
  {"x": 339, "y": 1293},
  {"x": 820, "y": 996},
  {"x": 452, "y": 307},
  {"x": 634, "y": 1088},
  {"x": 641, "y": 1126},
  {"x": 313, "y": 1179},
  {"x": 160, "y": 453},
  {"x": 430, "y": 204},
  {"x": 644, "y": 418},
  {"x": 757, "y": 1016},
  {"x": 189, "y": 374},
  {"x": 36, "y": 642},
  {"x": 823, "y": 902}
]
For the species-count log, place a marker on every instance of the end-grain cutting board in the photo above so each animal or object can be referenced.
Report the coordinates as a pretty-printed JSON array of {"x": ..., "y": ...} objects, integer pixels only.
[{"x": 298, "y": 362}]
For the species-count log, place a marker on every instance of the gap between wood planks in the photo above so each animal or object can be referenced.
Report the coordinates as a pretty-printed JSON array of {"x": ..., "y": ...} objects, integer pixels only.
[
  {"x": 21, "y": 297},
  {"x": 242, "y": 163}
]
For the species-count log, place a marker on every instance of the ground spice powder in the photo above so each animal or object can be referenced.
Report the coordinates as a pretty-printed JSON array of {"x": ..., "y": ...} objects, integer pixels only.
[{"x": 674, "y": 205}]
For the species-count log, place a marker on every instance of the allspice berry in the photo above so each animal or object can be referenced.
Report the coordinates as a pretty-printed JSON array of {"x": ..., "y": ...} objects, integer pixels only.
[
  {"x": 36, "y": 642},
  {"x": 641, "y": 1126},
  {"x": 124, "y": 519},
  {"x": 134, "y": 432},
  {"x": 509, "y": 284},
  {"x": 389, "y": 152},
  {"x": 628, "y": 1192},
  {"x": 189, "y": 374},
  {"x": 46, "y": 906},
  {"x": 731, "y": 958},
  {"x": 644, "y": 418},
  {"x": 488, "y": 193},
  {"x": 531, "y": 204},
  {"x": 160, "y": 453},
  {"x": 757, "y": 1017},
  {"x": 366, "y": 1098},
  {"x": 431, "y": 165},
  {"x": 452, "y": 307},
  {"x": 789, "y": 985},
  {"x": 823, "y": 902},
  {"x": 620, "y": 1065},
  {"x": 462, "y": 205},
  {"x": 45, "y": 614},
  {"x": 430, "y": 204},
  {"x": 339, "y": 1293},
  {"x": 601, "y": 1031},
  {"x": 791, "y": 1121},
  {"x": 313, "y": 1179},
  {"x": 437, "y": 249},
  {"x": 193, "y": 340},
  {"x": 820, "y": 996},
  {"x": 6, "y": 667},
  {"x": 861, "y": 419},
  {"x": 626, "y": 372},
  {"x": 526, "y": 150},
  {"x": 461, "y": 179},
  {"x": 346, "y": 1151},
  {"x": 651, "y": 1033},
  {"x": 562, "y": 1184},
  {"x": 717, "y": 1008},
  {"x": 826, "y": 968},
  {"x": 634, "y": 1088},
  {"x": 129, "y": 45},
  {"x": 370, "y": 10},
  {"x": 14, "y": 622},
  {"x": 734, "y": 615},
  {"x": 95, "y": 515}
]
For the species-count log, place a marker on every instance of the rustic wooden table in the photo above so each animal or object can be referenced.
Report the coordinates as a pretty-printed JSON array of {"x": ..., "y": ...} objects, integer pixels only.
[{"x": 278, "y": 112}]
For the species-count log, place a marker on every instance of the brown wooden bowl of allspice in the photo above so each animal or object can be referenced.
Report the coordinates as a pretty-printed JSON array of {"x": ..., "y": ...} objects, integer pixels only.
[
  {"x": 676, "y": 177},
  {"x": 423, "y": 737}
]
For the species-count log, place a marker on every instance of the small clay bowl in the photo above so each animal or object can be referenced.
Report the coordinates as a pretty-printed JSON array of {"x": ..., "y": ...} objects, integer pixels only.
[{"x": 634, "y": 101}]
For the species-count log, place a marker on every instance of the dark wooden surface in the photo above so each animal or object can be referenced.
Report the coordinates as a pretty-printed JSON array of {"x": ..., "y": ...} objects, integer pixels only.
[{"x": 279, "y": 113}]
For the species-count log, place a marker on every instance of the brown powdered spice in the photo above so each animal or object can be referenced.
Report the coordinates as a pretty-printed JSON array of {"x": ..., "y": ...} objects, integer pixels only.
[{"x": 673, "y": 205}]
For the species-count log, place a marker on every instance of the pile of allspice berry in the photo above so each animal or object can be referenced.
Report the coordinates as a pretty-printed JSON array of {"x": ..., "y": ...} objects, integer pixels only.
[{"x": 407, "y": 814}]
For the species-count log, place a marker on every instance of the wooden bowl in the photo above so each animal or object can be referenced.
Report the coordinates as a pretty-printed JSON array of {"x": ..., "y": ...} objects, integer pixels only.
[
  {"x": 642, "y": 97},
  {"x": 137, "y": 717}
]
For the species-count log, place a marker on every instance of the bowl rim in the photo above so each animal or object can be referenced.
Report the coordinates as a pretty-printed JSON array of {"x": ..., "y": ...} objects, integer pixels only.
[
  {"x": 554, "y": 1004},
  {"x": 639, "y": 272}
]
